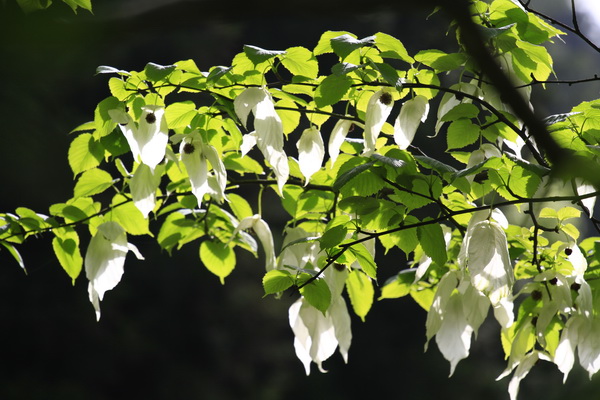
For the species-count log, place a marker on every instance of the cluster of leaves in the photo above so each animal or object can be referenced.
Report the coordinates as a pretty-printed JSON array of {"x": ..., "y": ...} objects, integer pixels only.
[
  {"x": 37, "y": 5},
  {"x": 171, "y": 152}
]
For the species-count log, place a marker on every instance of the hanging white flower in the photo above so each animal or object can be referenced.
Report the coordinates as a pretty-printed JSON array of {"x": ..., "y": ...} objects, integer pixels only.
[
  {"x": 268, "y": 128},
  {"x": 104, "y": 261},
  {"x": 378, "y": 109},
  {"x": 148, "y": 139},
  {"x": 583, "y": 188},
  {"x": 262, "y": 230},
  {"x": 522, "y": 370},
  {"x": 338, "y": 135},
  {"x": 195, "y": 155},
  {"x": 143, "y": 187},
  {"x": 311, "y": 152},
  {"x": 412, "y": 113},
  {"x": 488, "y": 261},
  {"x": 316, "y": 336},
  {"x": 299, "y": 254}
]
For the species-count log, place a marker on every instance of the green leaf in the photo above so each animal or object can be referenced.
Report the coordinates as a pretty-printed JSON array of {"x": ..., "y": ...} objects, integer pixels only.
[
  {"x": 439, "y": 60},
  {"x": 276, "y": 281},
  {"x": 128, "y": 216},
  {"x": 258, "y": 55},
  {"x": 240, "y": 207},
  {"x": 103, "y": 121},
  {"x": 301, "y": 61},
  {"x": 345, "y": 68},
  {"x": 423, "y": 297},
  {"x": 156, "y": 72},
  {"x": 66, "y": 248},
  {"x": 235, "y": 162},
  {"x": 85, "y": 4},
  {"x": 179, "y": 115},
  {"x": 92, "y": 182},
  {"x": 115, "y": 143},
  {"x": 568, "y": 212},
  {"x": 398, "y": 286},
  {"x": 346, "y": 176},
  {"x": 85, "y": 153},
  {"x": 436, "y": 165},
  {"x": 218, "y": 258},
  {"x": 361, "y": 292},
  {"x": 431, "y": 238},
  {"x": 289, "y": 119},
  {"x": 15, "y": 253},
  {"x": 358, "y": 205},
  {"x": 332, "y": 89},
  {"x": 33, "y": 5},
  {"x": 462, "y": 133},
  {"x": 365, "y": 259},
  {"x": 389, "y": 74},
  {"x": 175, "y": 230},
  {"x": 324, "y": 44},
  {"x": 345, "y": 44},
  {"x": 391, "y": 47},
  {"x": 463, "y": 110},
  {"x": 317, "y": 294},
  {"x": 106, "y": 69},
  {"x": 332, "y": 237}
]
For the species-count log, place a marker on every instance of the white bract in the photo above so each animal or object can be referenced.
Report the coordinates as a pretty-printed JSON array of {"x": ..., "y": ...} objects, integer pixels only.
[
  {"x": 378, "y": 109},
  {"x": 147, "y": 139},
  {"x": 311, "y": 152},
  {"x": 298, "y": 255},
  {"x": 316, "y": 336},
  {"x": 143, "y": 186},
  {"x": 195, "y": 155},
  {"x": 338, "y": 135},
  {"x": 104, "y": 261},
  {"x": 268, "y": 128},
  {"x": 455, "y": 314},
  {"x": 262, "y": 230},
  {"x": 412, "y": 113}
]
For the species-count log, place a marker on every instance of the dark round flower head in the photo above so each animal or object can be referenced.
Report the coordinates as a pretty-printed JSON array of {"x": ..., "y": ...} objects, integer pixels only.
[
  {"x": 188, "y": 148},
  {"x": 568, "y": 251},
  {"x": 536, "y": 295},
  {"x": 150, "y": 118},
  {"x": 385, "y": 98}
]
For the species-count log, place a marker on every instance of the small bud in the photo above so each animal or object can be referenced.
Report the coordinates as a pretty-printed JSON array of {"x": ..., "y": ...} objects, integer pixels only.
[
  {"x": 575, "y": 286},
  {"x": 188, "y": 148},
  {"x": 150, "y": 118},
  {"x": 339, "y": 267},
  {"x": 553, "y": 281},
  {"x": 536, "y": 295},
  {"x": 568, "y": 251},
  {"x": 385, "y": 98}
]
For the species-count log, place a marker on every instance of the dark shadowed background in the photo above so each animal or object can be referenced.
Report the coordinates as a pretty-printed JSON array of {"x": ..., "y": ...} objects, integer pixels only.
[{"x": 170, "y": 330}]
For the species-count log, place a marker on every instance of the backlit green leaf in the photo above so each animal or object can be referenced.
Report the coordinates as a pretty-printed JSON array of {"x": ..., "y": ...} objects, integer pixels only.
[
  {"x": 218, "y": 258},
  {"x": 332, "y": 89},
  {"x": 85, "y": 152},
  {"x": 91, "y": 182},
  {"x": 317, "y": 294},
  {"x": 361, "y": 292},
  {"x": 276, "y": 281},
  {"x": 66, "y": 248},
  {"x": 431, "y": 238}
]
